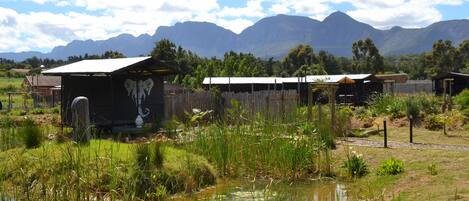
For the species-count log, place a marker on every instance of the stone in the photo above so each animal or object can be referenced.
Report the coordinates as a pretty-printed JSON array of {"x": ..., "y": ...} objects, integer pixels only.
[{"x": 81, "y": 119}]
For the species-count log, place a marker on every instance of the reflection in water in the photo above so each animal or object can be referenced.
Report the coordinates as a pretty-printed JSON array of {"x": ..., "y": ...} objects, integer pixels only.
[{"x": 317, "y": 191}]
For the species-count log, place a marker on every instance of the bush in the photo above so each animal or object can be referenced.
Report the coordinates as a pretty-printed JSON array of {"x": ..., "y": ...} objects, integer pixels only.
[
  {"x": 8, "y": 122},
  {"x": 433, "y": 122},
  {"x": 355, "y": 165},
  {"x": 16, "y": 112},
  {"x": 432, "y": 169},
  {"x": 429, "y": 104},
  {"x": 56, "y": 110},
  {"x": 395, "y": 109},
  {"x": 37, "y": 111},
  {"x": 391, "y": 166},
  {"x": 31, "y": 134},
  {"x": 462, "y": 99}
]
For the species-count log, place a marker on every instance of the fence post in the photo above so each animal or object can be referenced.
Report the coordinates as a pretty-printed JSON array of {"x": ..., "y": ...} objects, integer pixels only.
[
  {"x": 411, "y": 125},
  {"x": 385, "y": 134},
  {"x": 310, "y": 103}
]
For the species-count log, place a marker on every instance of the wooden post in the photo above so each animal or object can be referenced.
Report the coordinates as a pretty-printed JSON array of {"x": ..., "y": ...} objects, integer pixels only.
[
  {"x": 411, "y": 130},
  {"x": 10, "y": 104},
  {"x": 283, "y": 102},
  {"x": 252, "y": 100},
  {"x": 229, "y": 84},
  {"x": 298, "y": 91},
  {"x": 385, "y": 134},
  {"x": 332, "y": 101},
  {"x": 113, "y": 102},
  {"x": 267, "y": 103},
  {"x": 450, "y": 97},
  {"x": 310, "y": 103}
]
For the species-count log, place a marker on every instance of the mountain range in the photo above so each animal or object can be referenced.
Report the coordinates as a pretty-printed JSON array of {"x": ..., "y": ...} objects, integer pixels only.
[{"x": 269, "y": 37}]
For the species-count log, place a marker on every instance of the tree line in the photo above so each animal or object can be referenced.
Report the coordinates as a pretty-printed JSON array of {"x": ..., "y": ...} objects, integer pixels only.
[{"x": 299, "y": 61}]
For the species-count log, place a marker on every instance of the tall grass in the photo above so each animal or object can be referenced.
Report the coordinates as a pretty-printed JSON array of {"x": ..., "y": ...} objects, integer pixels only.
[
  {"x": 288, "y": 148},
  {"x": 101, "y": 170}
]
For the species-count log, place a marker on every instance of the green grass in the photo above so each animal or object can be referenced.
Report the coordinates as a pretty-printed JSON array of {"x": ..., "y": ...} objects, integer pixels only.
[
  {"x": 416, "y": 182},
  {"x": 103, "y": 168},
  {"x": 10, "y": 84}
]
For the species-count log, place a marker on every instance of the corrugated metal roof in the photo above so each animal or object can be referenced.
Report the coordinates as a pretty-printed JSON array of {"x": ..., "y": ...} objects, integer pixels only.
[
  {"x": 324, "y": 78},
  {"x": 242, "y": 80},
  {"x": 359, "y": 76},
  {"x": 43, "y": 81},
  {"x": 280, "y": 80},
  {"x": 96, "y": 66}
]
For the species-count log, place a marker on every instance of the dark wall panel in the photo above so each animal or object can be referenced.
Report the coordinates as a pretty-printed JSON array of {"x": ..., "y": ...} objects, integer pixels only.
[{"x": 116, "y": 99}]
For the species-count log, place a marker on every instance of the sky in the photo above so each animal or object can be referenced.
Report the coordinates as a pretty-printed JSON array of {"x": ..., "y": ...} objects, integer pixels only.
[{"x": 40, "y": 25}]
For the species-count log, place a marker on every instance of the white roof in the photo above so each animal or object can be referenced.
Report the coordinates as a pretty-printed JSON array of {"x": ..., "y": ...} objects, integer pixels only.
[
  {"x": 242, "y": 80},
  {"x": 280, "y": 80},
  {"x": 325, "y": 78},
  {"x": 358, "y": 76},
  {"x": 96, "y": 66}
]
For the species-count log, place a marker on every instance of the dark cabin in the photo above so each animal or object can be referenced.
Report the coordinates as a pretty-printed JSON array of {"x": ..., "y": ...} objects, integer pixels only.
[
  {"x": 455, "y": 83},
  {"x": 356, "y": 91},
  {"x": 118, "y": 90}
]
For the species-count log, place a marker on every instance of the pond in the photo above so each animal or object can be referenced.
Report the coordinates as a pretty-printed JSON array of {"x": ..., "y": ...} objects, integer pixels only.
[{"x": 255, "y": 190}]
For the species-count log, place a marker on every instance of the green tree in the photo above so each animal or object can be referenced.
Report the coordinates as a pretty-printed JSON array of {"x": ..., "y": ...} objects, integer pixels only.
[
  {"x": 112, "y": 55},
  {"x": 329, "y": 62},
  {"x": 366, "y": 57},
  {"x": 297, "y": 57},
  {"x": 443, "y": 56},
  {"x": 164, "y": 50}
]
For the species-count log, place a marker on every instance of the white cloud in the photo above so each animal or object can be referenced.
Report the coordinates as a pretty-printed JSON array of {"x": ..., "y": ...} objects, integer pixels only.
[{"x": 105, "y": 18}]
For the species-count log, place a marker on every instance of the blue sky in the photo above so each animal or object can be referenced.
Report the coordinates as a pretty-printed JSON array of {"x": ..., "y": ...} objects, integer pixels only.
[{"x": 40, "y": 25}]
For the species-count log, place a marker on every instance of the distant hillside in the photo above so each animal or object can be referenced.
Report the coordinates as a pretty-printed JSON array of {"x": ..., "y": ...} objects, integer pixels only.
[{"x": 269, "y": 37}]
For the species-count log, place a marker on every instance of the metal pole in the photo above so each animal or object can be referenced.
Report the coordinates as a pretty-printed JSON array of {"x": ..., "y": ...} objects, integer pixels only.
[{"x": 385, "y": 134}]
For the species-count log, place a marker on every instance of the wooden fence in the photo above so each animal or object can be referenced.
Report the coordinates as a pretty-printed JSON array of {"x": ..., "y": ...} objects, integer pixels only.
[
  {"x": 410, "y": 87},
  {"x": 274, "y": 104}
]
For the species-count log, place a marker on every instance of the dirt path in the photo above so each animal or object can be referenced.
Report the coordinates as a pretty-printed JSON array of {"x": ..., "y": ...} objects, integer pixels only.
[{"x": 394, "y": 144}]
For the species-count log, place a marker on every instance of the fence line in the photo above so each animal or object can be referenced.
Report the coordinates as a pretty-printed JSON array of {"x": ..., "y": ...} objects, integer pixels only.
[
  {"x": 411, "y": 87},
  {"x": 275, "y": 104}
]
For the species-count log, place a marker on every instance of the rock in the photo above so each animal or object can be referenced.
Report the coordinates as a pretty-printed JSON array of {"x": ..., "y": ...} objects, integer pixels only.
[{"x": 80, "y": 119}]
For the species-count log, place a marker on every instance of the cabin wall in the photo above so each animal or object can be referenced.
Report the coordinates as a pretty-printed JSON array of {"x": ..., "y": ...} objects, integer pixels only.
[
  {"x": 115, "y": 100},
  {"x": 458, "y": 85}
]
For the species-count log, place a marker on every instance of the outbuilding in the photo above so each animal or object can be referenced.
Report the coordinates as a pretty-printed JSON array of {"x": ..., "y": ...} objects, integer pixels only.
[
  {"x": 352, "y": 88},
  {"x": 120, "y": 91},
  {"x": 450, "y": 83}
]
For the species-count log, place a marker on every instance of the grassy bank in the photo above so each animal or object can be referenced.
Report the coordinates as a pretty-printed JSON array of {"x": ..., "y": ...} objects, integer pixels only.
[
  {"x": 102, "y": 169},
  {"x": 428, "y": 175}
]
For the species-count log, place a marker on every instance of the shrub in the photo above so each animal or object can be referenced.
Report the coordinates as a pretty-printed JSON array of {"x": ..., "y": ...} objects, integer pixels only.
[
  {"x": 429, "y": 104},
  {"x": 462, "y": 99},
  {"x": 17, "y": 112},
  {"x": 56, "y": 110},
  {"x": 8, "y": 122},
  {"x": 355, "y": 165},
  {"x": 31, "y": 134},
  {"x": 37, "y": 111},
  {"x": 395, "y": 109},
  {"x": 391, "y": 166},
  {"x": 432, "y": 169},
  {"x": 433, "y": 122}
]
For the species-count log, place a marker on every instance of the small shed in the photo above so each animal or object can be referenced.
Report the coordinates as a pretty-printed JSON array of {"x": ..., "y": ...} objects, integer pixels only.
[
  {"x": 41, "y": 84},
  {"x": 450, "y": 82},
  {"x": 120, "y": 91}
]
